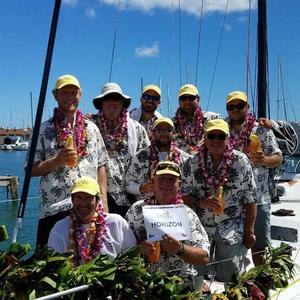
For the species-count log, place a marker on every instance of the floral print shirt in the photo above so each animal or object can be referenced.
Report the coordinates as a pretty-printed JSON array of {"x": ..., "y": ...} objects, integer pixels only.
[
  {"x": 171, "y": 264},
  {"x": 139, "y": 169},
  {"x": 239, "y": 190},
  {"x": 269, "y": 146},
  {"x": 118, "y": 164},
  {"x": 55, "y": 187},
  {"x": 188, "y": 145}
]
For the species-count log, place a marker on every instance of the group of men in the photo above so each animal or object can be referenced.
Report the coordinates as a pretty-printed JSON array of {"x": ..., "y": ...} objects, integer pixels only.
[{"x": 125, "y": 160}]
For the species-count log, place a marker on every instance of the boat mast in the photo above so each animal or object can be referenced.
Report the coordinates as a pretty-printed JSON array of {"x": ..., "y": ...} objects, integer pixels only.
[{"x": 262, "y": 59}]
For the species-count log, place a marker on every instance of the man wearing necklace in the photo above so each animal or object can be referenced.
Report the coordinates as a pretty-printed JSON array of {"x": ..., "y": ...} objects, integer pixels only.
[
  {"x": 162, "y": 148},
  {"x": 225, "y": 199},
  {"x": 189, "y": 119},
  {"x": 241, "y": 125},
  {"x": 88, "y": 231},
  {"x": 176, "y": 257},
  {"x": 123, "y": 138},
  {"x": 60, "y": 164},
  {"x": 147, "y": 113}
]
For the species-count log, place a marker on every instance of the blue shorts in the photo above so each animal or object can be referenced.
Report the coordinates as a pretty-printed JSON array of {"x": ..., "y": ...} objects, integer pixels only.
[{"x": 262, "y": 226}]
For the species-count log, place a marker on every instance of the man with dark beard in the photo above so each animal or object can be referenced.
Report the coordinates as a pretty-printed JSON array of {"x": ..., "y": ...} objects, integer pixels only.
[
  {"x": 162, "y": 148},
  {"x": 147, "y": 114},
  {"x": 189, "y": 119},
  {"x": 242, "y": 124}
]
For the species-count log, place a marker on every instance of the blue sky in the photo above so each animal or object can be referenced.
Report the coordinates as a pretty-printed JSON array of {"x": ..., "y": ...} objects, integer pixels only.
[{"x": 147, "y": 47}]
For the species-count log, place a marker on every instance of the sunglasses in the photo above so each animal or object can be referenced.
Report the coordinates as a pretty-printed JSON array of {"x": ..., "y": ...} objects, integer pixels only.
[
  {"x": 151, "y": 98},
  {"x": 163, "y": 130},
  {"x": 188, "y": 98},
  {"x": 218, "y": 136},
  {"x": 240, "y": 106},
  {"x": 167, "y": 166}
]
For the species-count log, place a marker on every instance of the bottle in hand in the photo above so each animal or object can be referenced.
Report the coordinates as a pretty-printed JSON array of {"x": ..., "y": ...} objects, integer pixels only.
[
  {"x": 254, "y": 145},
  {"x": 70, "y": 144},
  {"x": 220, "y": 211},
  {"x": 155, "y": 256}
]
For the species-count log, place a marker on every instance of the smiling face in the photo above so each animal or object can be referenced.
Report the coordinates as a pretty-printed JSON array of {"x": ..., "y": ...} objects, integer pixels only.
[
  {"x": 68, "y": 98},
  {"x": 215, "y": 141},
  {"x": 166, "y": 187},
  {"x": 237, "y": 111},
  {"x": 84, "y": 206},
  {"x": 150, "y": 101},
  {"x": 188, "y": 104}
]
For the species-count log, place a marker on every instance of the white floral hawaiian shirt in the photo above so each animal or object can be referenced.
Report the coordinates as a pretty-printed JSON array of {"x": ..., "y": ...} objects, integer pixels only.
[
  {"x": 139, "y": 169},
  {"x": 55, "y": 187},
  {"x": 118, "y": 164},
  {"x": 171, "y": 264},
  {"x": 269, "y": 146},
  {"x": 239, "y": 190}
]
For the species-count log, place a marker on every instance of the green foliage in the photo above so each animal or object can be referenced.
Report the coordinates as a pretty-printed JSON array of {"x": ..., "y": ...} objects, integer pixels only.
[{"x": 126, "y": 277}]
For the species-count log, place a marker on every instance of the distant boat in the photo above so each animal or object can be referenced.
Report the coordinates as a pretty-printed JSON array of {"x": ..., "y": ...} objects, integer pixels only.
[{"x": 16, "y": 143}]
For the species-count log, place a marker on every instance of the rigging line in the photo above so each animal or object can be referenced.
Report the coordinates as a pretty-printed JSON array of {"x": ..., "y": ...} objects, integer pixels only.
[
  {"x": 282, "y": 92},
  {"x": 114, "y": 44},
  {"x": 248, "y": 45},
  {"x": 217, "y": 56},
  {"x": 173, "y": 49},
  {"x": 198, "y": 45},
  {"x": 179, "y": 38},
  {"x": 38, "y": 118},
  {"x": 268, "y": 83}
]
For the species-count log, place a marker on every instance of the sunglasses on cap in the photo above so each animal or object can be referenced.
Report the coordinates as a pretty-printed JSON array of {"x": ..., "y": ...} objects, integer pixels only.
[
  {"x": 163, "y": 130},
  {"x": 167, "y": 166},
  {"x": 239, "y": 106},
  {"x": 218, "y": 136},
  {"x": 151, "y": 98},
  {"x": 187, "y": 98}
]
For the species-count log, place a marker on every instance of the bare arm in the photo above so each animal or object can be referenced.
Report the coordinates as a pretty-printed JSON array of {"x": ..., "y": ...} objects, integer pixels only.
[
  {"x": 44, "y": 167},
  {"x": 190, "y": 254},
  {"x": 102, "y": 181},
  {"x": 249, "y": 221},
  {"x": 269, "y": 161}
]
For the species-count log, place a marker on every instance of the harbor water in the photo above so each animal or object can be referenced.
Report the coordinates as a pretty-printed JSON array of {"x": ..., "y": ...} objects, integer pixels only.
[{"x": 12, "y": 163}]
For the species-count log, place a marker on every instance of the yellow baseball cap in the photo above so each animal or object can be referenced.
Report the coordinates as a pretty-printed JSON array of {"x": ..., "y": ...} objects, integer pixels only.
[
  {"x": 152, "y": 87},
  {"x": 167, "y": 167},
  {"x": 66, "y": 80},
  {"x": 163, "y": 120},
  {"x": 188, "y": 89},
  {"x": 87, "y": 185},
  {"x": 216, "y": 124},
  {"x": 237, "y": 95}
]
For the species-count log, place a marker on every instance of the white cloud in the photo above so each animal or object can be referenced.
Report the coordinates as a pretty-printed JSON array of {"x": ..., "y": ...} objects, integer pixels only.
[
  {"x": 227, "y": 27},
  {"x": 146, "y": 51},
  {"x": 190, "y": 6},
  {"x": 90, "y": 12},
  {"x": 70, "y": 2}
]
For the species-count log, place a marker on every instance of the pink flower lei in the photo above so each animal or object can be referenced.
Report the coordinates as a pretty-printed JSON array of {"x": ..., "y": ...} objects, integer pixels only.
[
  {"x": 174, "y": 154},
  {"x": 151, "y": 200},
  {"x": 240, "y": 141},
  {"x": 221, "y": 174},
  {"x": 113, "y": 141},
  {"x": 86, "y": 246},
  {"x": 78, "y": 130},
  {"x": 198, "y": 120}
]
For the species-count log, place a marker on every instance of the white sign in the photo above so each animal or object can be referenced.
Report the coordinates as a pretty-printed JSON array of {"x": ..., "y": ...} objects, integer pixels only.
[{"x": 166, "y": 219}]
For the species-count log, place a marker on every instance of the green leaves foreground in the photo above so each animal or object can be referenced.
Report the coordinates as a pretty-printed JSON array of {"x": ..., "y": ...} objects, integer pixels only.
[{"x": 126, "y": 277}]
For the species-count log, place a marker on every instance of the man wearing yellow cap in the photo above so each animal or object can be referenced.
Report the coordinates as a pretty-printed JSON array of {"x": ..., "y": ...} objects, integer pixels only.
[
  {"x": 147, "y": 113},
  {"x": 189, "y": 119},
  {"x": 225, "y": 199},
  {"x": 88, "y": 231},
  {"x": 242, "y": 125},
  {"x": 175, "y": 256},
  {"x": 68, "y": 147},
  {"x": 162, "y": 148}
]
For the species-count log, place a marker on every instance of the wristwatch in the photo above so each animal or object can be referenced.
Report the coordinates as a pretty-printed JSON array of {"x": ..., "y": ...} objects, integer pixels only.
[{"x": 181, "y": 251}]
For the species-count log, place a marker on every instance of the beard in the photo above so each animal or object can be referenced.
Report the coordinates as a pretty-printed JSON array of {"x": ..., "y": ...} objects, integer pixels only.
[
  {"x": 163, "y": 143},
  {"x": 149, "y": 108}
]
